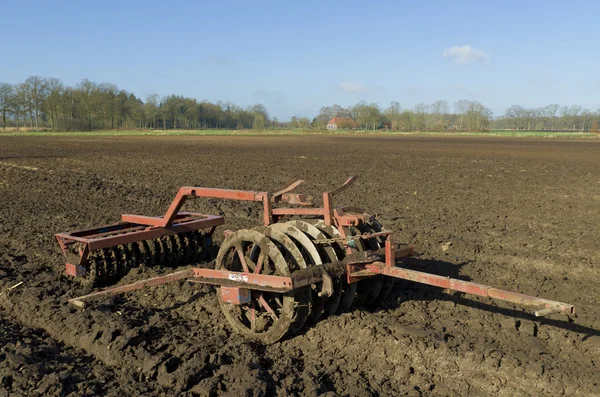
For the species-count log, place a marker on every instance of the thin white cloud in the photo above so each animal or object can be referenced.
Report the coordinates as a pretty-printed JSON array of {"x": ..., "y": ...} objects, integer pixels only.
[
  {"x": 352, "y": 88},
  {"x": 465, "y": 54}
]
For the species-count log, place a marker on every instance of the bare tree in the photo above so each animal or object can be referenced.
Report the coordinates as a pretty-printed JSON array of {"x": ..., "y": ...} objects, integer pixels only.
[
  {"x": 573, "y": 113},
  {"x": 393, "y": 115},
  {"x": 550, "y": 111},
  {"x": 517, "y": 114},
  {"x": 6, "y": 94},
  {"x": 460, "y": 108},
  {"x": 84, "y": 91},
  {"x": 35, "y": 90},
  {"x": 439, "y": 110},
  {"x": 420, "y": 117},
  {"x": 53, "y": 100}
]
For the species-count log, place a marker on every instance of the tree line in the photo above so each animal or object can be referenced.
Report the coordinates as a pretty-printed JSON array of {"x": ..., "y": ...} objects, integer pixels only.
[
  {"x": 467, "y": 115},
  {"x": 48, "y": 103},
  {"x": 552, "y": 117}
]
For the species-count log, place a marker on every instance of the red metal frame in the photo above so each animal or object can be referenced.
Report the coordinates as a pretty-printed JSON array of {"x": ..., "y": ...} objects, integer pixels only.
[
  {"x": 140, "y": 227},
  {"x": 137, "y": 227},
  {"x": 237, "y": 282}
]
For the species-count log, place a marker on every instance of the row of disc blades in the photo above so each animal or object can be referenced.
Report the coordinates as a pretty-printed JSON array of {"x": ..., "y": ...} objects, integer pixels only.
[{"x": 110, "y": 264}]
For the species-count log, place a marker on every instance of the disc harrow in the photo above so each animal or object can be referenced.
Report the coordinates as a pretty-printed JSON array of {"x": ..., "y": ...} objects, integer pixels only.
[
  {"x": 104, "y": 255},
  {"x": 112, "y": 263},
  {"x": 272, "y": 280}
]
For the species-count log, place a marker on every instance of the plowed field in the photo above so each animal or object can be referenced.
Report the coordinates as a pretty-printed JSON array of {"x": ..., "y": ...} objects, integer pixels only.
[{"x": 518, "y": 214}]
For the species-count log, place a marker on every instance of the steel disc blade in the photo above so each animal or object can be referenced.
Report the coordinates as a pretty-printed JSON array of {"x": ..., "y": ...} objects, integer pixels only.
[
  {"x": 295, "y": 261},
  {"x": 339, "y": 291},
  {"x": 327, "y": 254}
]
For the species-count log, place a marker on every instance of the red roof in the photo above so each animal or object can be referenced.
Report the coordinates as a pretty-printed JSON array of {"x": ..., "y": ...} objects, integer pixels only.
[{"x": 342, "y": 120}]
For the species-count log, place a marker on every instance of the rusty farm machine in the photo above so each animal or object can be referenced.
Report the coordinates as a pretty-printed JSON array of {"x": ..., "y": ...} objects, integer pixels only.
[{"x": 303, "y": 262}]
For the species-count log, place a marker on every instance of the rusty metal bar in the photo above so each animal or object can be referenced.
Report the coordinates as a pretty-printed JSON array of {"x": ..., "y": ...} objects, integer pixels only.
[
  {"x": 390, "y": 252},
  {"x": 348, "y": 208},
  {"x": 174, "y": 208},
  {"x": 286, "y": 189},
  {"x": 80, "y": 301},
  {"x": 297, "y": 211},
  {"x": 328, "y": 208},
  {"x": 125, "y": 236},
  {"x": 187, "y": 191},
  {"x": 252, "y": 281},
  {"x": 228, "y": 194},
  {"x": 345, "y": 186},
  {"x": 473, "y": 289},
  {"x": 267, "y": 210}
]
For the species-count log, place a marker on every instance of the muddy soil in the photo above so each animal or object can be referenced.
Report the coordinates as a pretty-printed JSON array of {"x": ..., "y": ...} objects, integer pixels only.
[{"x": 518, "y": 214}]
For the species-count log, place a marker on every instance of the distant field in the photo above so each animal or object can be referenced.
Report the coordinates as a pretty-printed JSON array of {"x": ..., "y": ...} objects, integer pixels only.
[{"x": 213, "y": 132}]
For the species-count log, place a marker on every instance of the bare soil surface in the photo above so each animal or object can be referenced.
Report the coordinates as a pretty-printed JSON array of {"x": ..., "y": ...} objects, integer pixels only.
[{"x": 517, "y": 214}]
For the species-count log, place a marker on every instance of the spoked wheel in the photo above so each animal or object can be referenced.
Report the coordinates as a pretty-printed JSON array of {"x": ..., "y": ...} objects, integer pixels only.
[{"x": 268, "y": 316}]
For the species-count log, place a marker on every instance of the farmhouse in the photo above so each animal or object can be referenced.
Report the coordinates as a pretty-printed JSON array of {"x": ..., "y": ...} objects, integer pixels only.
[{"x": 341, "y": 123}]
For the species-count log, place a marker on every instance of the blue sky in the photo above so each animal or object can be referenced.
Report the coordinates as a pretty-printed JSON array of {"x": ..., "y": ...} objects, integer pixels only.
[{"x": 295, "y": 57}]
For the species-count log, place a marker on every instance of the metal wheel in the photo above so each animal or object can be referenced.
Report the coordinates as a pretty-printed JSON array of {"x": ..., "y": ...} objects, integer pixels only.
[
  {"x": 295, "y": 260},
  {"x": 327, "y": 254},
  {"x": 269, "y": 315}
]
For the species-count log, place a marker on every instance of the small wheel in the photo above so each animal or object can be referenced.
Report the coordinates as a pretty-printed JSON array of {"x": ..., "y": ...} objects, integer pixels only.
[{"x": 269, "y": 315}]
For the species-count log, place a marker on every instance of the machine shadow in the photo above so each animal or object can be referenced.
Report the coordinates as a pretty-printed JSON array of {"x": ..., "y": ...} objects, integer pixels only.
[{"x": 406, "y": 290}]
